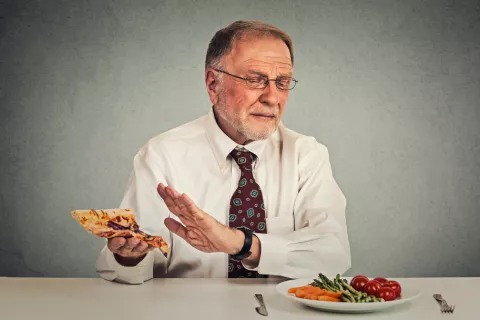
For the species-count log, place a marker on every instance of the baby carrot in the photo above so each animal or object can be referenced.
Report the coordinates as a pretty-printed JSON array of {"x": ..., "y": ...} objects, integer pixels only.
[
  {"x": 332, "y": 294},
  {"x": 300, "y": 293},
  {"x": 327, "y": 298},
  {"x": 319, "y": 291}
]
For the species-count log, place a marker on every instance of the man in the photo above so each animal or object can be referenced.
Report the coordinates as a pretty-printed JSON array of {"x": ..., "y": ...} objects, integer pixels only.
[{"x": 235, "y": 193}]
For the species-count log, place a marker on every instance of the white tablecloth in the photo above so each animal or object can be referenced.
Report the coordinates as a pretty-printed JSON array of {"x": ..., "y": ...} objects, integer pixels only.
[{"x": 222, "y": 299}]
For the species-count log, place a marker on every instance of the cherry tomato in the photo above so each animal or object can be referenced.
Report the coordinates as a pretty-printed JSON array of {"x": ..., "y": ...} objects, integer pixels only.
[
  {"x": 381, "y": 280},
  {"x": 359, "y": 276},
  {"x": 359, "y": 282},
  {"x": 386, "y": 293},
  {"x": 372, "y": 287},
  {"x": 393, "y": 285}
]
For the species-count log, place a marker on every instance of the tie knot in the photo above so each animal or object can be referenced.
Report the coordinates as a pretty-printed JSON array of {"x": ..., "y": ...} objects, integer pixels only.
[{"x": 243, "y": 158}]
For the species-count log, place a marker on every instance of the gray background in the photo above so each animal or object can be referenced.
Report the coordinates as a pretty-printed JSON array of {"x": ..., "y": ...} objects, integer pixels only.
[{"x": 391, "y": 87}]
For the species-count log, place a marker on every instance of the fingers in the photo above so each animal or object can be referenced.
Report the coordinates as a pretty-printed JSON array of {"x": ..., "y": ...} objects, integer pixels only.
[
  {"x": 182, "y": 201},
  {"x": 172, "y": 192},
  {"x": 116, "y": 243},
  {"x": 176, "y": 227},
  {"x": 180, "y": 205},
  {"x": 141, "y": 248},
  {"x": 189, "y": 235},
  {"x": 162, "y": 191},
  {"x": 128, "y": 247},
  {"x": 131, "y": 243}
]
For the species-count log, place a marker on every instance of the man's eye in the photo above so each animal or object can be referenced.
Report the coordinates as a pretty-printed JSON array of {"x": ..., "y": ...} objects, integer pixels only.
[
  {"x": 284, "y": 82},
  {"x": 256, "y": 80}
]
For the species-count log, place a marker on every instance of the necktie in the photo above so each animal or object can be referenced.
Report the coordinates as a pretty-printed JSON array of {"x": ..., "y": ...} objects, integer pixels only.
[{"x": 246, "y": 209}]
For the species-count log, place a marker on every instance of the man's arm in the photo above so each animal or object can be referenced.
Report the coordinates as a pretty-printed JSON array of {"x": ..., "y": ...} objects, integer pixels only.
[
  {"x": 320, "y": 242},
  {"x": 150, "y": 211}
]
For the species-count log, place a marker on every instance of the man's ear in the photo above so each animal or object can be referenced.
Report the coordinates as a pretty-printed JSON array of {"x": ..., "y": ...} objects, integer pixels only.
[{"x": 212, "y": 85}]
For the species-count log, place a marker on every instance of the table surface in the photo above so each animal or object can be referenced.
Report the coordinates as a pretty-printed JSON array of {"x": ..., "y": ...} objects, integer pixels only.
[{"x": 80, "y": 298}]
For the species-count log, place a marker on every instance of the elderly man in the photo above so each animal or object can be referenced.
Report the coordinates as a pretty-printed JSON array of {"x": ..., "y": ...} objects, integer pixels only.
[{"x": 235, "y": 193}]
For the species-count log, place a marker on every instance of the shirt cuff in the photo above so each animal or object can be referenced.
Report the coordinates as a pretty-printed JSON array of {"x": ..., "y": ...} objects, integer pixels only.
[
  {"x": 273, "y": 254},
  {"x": 138, "y": 274}
]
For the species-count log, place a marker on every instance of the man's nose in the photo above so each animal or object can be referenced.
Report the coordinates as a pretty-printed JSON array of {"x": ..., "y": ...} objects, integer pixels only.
[{"x": 269, "y": 96}]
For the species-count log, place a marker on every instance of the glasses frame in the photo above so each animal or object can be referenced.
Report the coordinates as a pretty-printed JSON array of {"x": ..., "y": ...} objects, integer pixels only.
[{"x": 265, "y": 84}]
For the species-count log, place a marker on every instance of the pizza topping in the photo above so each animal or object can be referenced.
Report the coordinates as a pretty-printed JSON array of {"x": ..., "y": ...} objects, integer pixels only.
[
  {"x": 94, "y": 213},
  {"x": 117, "y": 226},
  {"x": 147, "y": 236},
  {"x": 135, "y": 228}
]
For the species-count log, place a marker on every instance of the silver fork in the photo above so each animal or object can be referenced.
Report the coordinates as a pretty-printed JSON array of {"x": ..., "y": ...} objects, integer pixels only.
[{"x": 444, "y": 307}]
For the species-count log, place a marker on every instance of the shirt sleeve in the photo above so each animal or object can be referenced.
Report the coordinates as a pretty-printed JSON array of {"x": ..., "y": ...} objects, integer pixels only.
[
  {"x": 319, "y": 242},
  {"x": 150, "y": 212}
]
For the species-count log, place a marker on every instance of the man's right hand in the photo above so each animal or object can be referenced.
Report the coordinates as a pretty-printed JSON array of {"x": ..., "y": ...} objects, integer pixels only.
[{"x": 128, "y": 251}]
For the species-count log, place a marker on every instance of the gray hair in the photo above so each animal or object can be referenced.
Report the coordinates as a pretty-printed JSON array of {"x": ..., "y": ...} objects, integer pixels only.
[{"x": 224, "y": 39}]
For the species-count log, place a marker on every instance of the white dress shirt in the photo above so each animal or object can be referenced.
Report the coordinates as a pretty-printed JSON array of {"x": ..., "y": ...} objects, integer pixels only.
[{"x": 305, "y": 208}]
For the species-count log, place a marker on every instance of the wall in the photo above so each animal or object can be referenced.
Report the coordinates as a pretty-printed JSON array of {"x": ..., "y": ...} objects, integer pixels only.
[{"x": 391, "y": 87}]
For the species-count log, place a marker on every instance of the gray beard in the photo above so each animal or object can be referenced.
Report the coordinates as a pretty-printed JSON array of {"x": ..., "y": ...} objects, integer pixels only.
[{"x": 233, "y": 119}]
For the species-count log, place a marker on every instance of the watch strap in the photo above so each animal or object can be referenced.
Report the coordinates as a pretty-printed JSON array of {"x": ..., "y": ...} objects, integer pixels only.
[{"x": 247, "y": 244}]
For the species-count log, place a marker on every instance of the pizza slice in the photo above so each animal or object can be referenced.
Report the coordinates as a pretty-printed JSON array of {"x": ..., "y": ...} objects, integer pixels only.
[{"x": 110, "y": 223}]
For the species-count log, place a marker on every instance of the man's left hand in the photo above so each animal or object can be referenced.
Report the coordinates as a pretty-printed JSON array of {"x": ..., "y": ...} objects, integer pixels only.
[{"x": 199, "y": 229}]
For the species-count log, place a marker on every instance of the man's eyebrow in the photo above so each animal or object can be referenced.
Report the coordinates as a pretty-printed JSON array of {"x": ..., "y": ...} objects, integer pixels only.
[
  {"x": 256, "y": 72},
  {"x": 285, "y": 74},
  {"x": 280, "y": 74}
]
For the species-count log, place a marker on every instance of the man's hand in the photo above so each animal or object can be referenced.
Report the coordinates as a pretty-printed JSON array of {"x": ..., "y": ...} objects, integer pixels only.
[
  {"x": 199, "y": 229},
  {"x": 128, "y": 251}
]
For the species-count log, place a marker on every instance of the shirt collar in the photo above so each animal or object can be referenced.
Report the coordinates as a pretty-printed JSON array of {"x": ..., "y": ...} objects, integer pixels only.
[{"x": 222, "y": 145}]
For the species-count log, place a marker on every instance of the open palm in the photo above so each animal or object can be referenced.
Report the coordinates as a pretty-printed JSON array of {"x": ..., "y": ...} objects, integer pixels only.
[{"x": 198, "y": 228}]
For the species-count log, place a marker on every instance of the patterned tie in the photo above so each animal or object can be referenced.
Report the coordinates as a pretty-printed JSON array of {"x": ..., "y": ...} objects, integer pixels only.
[{"x": 246, "y": 209}]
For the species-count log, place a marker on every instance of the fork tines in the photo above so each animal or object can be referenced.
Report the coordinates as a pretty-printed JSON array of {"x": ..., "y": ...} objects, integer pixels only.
[{"x": 447, "y": 309}]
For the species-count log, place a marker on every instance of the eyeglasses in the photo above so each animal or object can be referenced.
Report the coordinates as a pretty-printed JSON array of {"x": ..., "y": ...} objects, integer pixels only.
[{"x": 261, "y": 82}]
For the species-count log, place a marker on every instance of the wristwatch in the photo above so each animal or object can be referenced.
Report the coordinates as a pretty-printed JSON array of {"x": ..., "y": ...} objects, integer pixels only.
[{"x": 247, "y": 245}]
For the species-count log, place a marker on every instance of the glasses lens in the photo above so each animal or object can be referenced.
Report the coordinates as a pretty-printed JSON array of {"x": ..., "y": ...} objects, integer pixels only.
[
  {"x": 292, "y": 84},
  {"x": 261, "y": 83},
  {"x": 285, "y": 83},
  {"x": 256, "y": 82}
]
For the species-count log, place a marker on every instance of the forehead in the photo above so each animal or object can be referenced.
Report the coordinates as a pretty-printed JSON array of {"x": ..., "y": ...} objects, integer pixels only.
[{"x": 264, "y": 54}]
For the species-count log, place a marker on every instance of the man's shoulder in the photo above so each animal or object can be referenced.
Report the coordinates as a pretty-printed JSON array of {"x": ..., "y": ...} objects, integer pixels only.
[
  {"x": 302, "y": 144},
  {"x": 182, "y": 135}
]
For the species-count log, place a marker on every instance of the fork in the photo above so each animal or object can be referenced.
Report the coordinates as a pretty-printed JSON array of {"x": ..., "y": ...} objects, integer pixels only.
[{"x": 444, "y": 307}]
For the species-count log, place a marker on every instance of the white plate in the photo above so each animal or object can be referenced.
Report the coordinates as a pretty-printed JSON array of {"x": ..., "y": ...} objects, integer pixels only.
[{"x": 408, "y": 294}]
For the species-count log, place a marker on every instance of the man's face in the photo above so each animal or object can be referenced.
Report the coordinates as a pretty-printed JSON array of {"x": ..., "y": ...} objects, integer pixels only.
[{"x": 246, "y": 113}]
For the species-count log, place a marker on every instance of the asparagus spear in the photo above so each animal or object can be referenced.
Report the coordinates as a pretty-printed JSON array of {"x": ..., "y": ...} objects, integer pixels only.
[{"x": 317, "y": 283}]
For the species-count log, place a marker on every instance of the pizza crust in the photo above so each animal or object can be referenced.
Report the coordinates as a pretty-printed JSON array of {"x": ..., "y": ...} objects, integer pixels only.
[{"x": 111, "y": 223}]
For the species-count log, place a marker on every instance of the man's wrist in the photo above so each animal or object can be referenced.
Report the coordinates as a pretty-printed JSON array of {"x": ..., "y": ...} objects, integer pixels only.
[
  {"x": 253, "y": 260},
  {"x": 237, "y": 243},
  {"x": 129, "y": 261}
]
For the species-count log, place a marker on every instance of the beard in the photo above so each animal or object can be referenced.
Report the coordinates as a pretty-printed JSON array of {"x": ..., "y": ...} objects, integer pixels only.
[{"x": 240, "y": 121}]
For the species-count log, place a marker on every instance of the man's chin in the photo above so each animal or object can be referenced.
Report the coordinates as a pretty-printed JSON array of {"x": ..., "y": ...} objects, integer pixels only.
[{"x": 260, "y": 134}]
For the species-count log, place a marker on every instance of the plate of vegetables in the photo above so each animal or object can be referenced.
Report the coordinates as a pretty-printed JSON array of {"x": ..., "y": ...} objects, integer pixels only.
[{"x": 359, "y": 294}]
